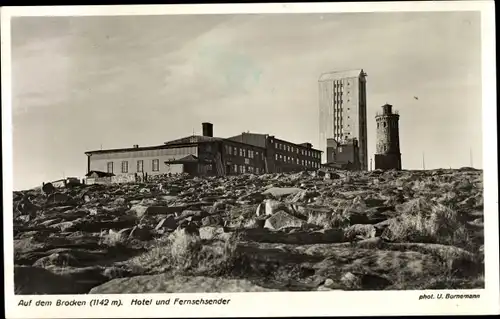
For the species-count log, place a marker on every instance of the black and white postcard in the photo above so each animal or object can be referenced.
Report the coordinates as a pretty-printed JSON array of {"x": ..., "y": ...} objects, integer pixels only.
[{"x": 250, "y": 160}]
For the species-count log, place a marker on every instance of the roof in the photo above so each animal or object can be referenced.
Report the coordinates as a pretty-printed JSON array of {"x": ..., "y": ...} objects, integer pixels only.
[
  {"x": 336, "y": 75},
  {"x": 99, "y": 174},
  {"x": 186, "y": 159},
  {"x": 193, "y": 139},
  {"x": 117, "y": 150},
  {"x": 239, "y": 138}
]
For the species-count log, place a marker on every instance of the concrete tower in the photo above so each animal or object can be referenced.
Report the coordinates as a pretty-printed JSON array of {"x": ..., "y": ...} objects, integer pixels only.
[
  {"x": 342, "y": 108},
  {"x": 388, "y": 155}
]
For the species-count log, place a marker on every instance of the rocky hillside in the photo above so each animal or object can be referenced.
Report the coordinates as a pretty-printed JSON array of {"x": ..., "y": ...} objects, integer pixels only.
[{"x": 278, "y": 232}]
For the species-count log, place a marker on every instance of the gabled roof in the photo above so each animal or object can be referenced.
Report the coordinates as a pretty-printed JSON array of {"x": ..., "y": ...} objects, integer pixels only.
[
  {"x": 336, "y": 75},
  {"x": 193, "y": 139}
]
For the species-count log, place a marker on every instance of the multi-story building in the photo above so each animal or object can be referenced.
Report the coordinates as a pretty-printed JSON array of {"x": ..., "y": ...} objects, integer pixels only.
[
  {"x": 281, "y": 155},
  {"x": 343, "y": 155},
  {"x": 388, "y": 155},
  {"x": 342, "y": 104},
  {"x": 206, "y": 155}
]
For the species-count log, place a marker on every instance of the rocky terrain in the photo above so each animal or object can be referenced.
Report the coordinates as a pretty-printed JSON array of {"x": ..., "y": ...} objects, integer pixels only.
[{"x": 306, "y": 231}]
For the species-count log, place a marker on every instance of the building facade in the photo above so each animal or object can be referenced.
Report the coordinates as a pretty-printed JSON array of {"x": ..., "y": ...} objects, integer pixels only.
[
  {"x": 207, "y": 156},
  {"x": 343, "y": 154},
  {"x": 281, "y": 155},
  {"x": 388, "y": 154},
  {"x": 342, "y": 106}
]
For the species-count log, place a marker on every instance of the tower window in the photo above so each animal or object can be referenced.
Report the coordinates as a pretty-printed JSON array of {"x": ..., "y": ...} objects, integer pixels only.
[{"x": 378, "y": 125}]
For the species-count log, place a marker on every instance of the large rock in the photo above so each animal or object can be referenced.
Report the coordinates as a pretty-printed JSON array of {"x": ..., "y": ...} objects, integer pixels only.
[
  {"x": 175, "y": 284},
  {"x": 279, "y": 192},
  {"x": 58, "y": 198},
  {"x": 360, "y": 232},
  {"x": 39, "y": 281},
  {"x": 281, "y": 220},
  {"x": 211, "y": 233},
  {"x": 298, "y": 237}
]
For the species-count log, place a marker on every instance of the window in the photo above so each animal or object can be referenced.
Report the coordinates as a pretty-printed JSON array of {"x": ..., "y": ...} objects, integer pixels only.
[
  {"x": 235, "y": 168},
  {"x": 209, "y": 167},
  {"x": 235, "y": 151},
  {"x": 250, "y": 169},
  {"x": 242, "y": 167},
  {"x": 257, "y": 171},
  {"x": 110, "y": 167},
  {"x": 156, "y": 165},
  {"x": 262, "y": 155},
  {"x": 124, "y": 167},
  {"x": 228, "y": 149},
  {"x": 241, "y": 152},
  {"x": 276, "y": 156},
  {"x": 340, "y": 149},
  {"x": 140, "y": 166},
  {"x": 247, "y": 161},
  {"x": 385, "y": 124}
]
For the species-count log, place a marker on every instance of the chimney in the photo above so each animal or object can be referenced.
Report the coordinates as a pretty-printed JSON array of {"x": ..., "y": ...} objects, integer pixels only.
[
  {"x": 208, "y": 129},
  {"x": 136, "y": 146}
]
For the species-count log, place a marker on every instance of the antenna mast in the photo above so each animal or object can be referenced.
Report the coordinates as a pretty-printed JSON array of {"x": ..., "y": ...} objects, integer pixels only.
[
  {"x": 423, "y": 160},
  {"x": 470, "y": 157}
]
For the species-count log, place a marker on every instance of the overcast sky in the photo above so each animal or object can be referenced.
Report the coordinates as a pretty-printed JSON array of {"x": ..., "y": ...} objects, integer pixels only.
[{"x": 82, "y": 82}]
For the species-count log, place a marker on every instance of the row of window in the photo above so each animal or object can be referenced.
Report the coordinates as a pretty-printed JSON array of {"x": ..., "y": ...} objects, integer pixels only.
[
  {"x": 291, "y": 160},
  {"x": 297, "y": 150},
  {"x": 236, "y": 151},
  {"x": 245, "y": 169},
  {"x": 140, "y": 166}
]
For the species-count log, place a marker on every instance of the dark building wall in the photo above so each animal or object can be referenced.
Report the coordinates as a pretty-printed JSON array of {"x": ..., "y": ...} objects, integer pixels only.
[
  {"x": 241, "y": 158},
  {"x": 251, "y": 138},
  {"x": 281, "y": 155},
  {"x": 388, "y": 155},
  {"x": 387, "y": 161},
  {"x": 289, "y": 157}
]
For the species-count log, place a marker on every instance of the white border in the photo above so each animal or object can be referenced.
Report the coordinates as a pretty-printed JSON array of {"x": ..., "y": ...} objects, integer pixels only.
[{"x": 286, "y": 303}]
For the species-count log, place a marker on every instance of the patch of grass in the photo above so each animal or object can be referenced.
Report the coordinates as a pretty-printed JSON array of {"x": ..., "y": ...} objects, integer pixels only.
[
  {"x": 321, "y": 219},
  {"x": 187, "y": 254},
  {"x": 429, "y": 223}
]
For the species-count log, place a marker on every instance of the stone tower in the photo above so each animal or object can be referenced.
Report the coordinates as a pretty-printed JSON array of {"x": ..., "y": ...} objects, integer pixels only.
[{"x": 388, "y": 155}]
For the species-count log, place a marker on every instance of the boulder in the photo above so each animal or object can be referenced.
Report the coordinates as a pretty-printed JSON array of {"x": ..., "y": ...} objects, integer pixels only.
[
  {"x": 279, "y": 192},
  {"x": 58, "y": 198},
  {"x": 38, "y": 281},
  {"x": 164, "y": 283},
  {"x": 281, "y": 220},
  {"x": 360, "y": 232},
  {"x": 167, "y": 222},
  {"x": 48, "y": 188}
]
